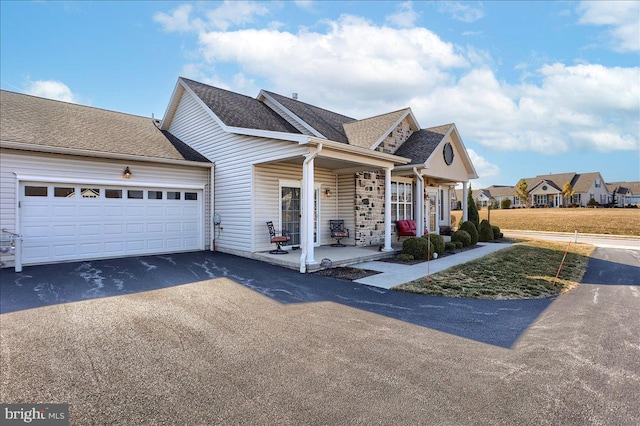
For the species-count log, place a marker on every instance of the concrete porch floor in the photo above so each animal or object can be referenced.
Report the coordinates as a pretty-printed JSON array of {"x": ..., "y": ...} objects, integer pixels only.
[{"x": 339, "y": 256}]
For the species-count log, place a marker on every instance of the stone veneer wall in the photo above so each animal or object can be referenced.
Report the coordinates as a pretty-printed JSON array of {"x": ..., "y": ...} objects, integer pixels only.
[
  {"x": 369, "y": 208},
  {"x": 391, "y": 143}
]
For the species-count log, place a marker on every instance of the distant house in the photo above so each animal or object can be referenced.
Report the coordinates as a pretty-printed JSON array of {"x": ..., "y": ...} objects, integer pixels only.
[
  {"x": 546, "y": 190},
  {"x": 487, "y": 196},
  {"x": 625, "y": 193}
]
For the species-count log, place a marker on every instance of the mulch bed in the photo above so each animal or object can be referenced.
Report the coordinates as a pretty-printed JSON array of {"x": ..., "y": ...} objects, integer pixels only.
[{"x": 346, "y": 273}]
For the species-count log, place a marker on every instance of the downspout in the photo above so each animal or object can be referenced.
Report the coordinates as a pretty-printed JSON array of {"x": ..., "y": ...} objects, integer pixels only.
[
  {"x": 420, "y": 210},
  {"x": 305, "y": 177}
]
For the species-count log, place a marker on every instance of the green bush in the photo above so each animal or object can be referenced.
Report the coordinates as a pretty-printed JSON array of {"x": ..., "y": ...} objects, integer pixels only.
[
  {"x": 472, "y": 230},
  {"x": 449, "y": 246},
  {"x": 417, "y": 247},
  {"x": 459, "y": 244},
  {"x": 404, "y": 257},
  {"x": 496, "y": 232},
  {"x": 461, "y": 236},
  {"x": 485, "y": 233},
  {"x": 505, "y": 203},
  {"x": 437, "y": 242}
]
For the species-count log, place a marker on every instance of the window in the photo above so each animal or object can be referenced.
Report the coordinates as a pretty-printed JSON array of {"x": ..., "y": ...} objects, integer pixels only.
[
  {"x": 35, "y": 191},
  {"x": 191, "y": 196},
  {"x": 173, "y": 195},
  {"x": 598, "y": 183},
  {"x": 90, "y": 192},
  {"x": 135, "y": 194},
  {"x": 401, "y": 201},
  {"x": 154, "y": 195},
  {"x": 64, "y": 192},
  {"x": 113, "y": 193}
]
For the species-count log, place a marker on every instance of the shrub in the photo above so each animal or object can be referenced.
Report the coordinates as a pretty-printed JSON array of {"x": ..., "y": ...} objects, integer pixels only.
[
  {"x": 459, "y": 244},
  {"x": 472, "y": 230},
  {"x": 472, "y": 209},
  {"x": 404, "y": 257},
  {"x": 417, "y": 247},
  {"x": 593, "y": 203},
  {"x": 461, "y": 236},
  {"x": 449, "y": 246},
  {"x": 505, "y": 203},
  {"x": 485, "y": 233},
  {"x": 496, "y": 232},
  {"x": 437, "y": 242}
]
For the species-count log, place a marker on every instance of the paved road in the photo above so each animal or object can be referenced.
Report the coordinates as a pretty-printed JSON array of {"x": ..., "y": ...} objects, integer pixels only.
[
  {"x": 229, "y": 351},
  {"x": 606, "y": 241}
]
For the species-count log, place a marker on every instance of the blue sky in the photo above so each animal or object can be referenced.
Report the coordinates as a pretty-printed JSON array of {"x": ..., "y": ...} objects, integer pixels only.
[{"x": 533, "y": 87}]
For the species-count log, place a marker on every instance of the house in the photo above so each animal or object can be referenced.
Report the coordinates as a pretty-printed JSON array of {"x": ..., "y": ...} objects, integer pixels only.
[
  {"x": 271, "y": 151},
  {"x": 503, "y": 192},
  {"x": 546, "y": 190},
  {"x": 624, "y": 193},
  {"x": 64, "y": 189},
  {"x": 276, "y": 159}
]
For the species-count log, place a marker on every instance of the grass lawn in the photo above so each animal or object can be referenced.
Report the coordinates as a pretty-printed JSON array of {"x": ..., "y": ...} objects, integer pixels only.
[
  {"x": 584, "y": 220},
  {"x": 526, "y": 270}
]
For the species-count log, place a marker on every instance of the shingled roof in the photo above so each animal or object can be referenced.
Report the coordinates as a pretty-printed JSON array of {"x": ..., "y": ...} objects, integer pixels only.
[
  {"x": 238, "y": 110},
  {"x": 420, "y": 145},
  {"x": 328, "y": 123},
  {"x": 364, "y": 133},
  {"x": 48, "y": 123}
]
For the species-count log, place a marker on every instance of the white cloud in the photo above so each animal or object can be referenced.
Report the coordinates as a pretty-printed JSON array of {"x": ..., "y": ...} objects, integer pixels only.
[
  {"x": 51, "y": 89},
  {"x": 620, "y": 16},
  {"x": 228, "y": 14},
  {"x": 361, "y": 69},
  {"x": 483, "y": 167},
  {"x": 405, "y": 17},
  {"x": 464, "y": 12}
]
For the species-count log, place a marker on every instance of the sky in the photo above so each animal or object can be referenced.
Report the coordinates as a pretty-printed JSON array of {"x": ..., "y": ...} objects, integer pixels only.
[{"x": 533, "y": 87}]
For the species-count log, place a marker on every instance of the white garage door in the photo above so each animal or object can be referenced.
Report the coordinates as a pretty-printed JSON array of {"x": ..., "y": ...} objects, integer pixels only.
[{"x": 61, "y": 222}]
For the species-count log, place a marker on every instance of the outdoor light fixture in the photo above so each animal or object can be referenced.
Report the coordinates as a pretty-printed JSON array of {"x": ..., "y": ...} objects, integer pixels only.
[
  {"x": 327, "y": 192},
  {"x": 127, "y": 173}
]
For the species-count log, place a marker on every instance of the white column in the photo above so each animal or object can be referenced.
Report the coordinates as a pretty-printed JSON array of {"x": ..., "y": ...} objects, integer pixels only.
[
  {"x": 308, "y": 212},
  {"x": 419, "y": 207},
  {"x": 438, "y": 207},
  {"x": 387, "y": 210},
  {"x": 465, "y": 207},
  {"x": 428, "y": 214},
  {"x": 303, "y": 218}
]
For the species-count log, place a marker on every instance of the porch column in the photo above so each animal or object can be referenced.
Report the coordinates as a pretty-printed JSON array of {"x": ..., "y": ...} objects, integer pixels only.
[
  {"x": 465, "y": 207},
  {"x": 428, "y": 214},
  {"x": 387, "y": 210},
  {"x": 307, "y": 211},
  {"x": 419, "y": 207},
  {"x": 438, "y": 209}
]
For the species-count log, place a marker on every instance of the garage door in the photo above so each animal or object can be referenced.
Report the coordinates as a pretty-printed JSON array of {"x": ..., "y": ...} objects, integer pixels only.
[{"x": 61, "y": 222}]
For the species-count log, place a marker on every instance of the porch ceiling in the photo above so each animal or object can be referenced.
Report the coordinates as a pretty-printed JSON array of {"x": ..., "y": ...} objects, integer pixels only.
[{"x": 337, "y": 164}]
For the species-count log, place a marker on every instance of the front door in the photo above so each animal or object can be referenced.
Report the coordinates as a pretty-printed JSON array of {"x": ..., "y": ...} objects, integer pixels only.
[{"x": 291, "y": 210}]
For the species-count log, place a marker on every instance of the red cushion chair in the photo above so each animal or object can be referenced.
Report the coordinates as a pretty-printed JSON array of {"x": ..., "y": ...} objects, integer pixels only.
[
  {"x": 406, "y": 228},
  {"x": 277, "y": 239}
]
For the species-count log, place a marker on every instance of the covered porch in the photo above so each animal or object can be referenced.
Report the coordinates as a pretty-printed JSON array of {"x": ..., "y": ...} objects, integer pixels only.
[{"x": 327, "y": 256}]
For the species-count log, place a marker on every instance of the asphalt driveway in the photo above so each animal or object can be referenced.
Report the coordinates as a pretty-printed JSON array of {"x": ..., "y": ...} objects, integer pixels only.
[{"x": 225, "y": 349}]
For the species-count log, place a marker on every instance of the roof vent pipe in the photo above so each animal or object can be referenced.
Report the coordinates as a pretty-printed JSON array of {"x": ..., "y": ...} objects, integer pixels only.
[{"x": 295, "y": 95}]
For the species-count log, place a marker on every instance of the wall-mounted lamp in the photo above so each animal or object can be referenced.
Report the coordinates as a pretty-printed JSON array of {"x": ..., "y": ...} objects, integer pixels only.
[
  {"x": 327, "y": 193},
  {"x": 127, "y": 173}
]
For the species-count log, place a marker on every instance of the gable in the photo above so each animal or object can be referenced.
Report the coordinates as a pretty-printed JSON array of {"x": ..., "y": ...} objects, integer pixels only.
[{"x": 459, "y": 169}]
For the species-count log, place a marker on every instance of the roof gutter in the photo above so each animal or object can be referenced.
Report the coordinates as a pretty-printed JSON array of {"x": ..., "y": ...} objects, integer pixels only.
[
  {"x": 339, "y": 146},
  {"x": 98, "y": 154}
]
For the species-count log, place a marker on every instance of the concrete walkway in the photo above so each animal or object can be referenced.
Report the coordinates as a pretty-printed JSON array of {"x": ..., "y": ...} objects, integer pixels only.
[{"x": 394, "y": 274}]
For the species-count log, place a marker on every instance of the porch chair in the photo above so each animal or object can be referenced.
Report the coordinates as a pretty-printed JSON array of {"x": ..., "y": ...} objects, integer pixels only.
[
  {"x": 277, "y": 239},
  {"x": 406, "y": 228},
  {"x": 338, "y": 232}
]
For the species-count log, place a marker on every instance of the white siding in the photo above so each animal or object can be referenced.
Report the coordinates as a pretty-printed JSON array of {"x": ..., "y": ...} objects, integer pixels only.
[
  {"x": 234, "y": 156},
  {"x": 267, "y": 186},
  {"x": 65, "y": 168},
  {"x": 346, "y": 202}
]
